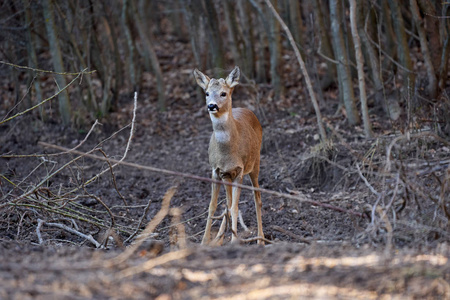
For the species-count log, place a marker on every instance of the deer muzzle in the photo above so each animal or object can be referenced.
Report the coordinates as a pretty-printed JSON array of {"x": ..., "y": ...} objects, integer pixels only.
[{"x": 213, "y": 107}]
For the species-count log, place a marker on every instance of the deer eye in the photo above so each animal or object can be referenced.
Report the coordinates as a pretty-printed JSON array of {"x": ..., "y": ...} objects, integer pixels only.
[
  {"x": 223, "y": 94},
  {"x": 207, "y": 94}
]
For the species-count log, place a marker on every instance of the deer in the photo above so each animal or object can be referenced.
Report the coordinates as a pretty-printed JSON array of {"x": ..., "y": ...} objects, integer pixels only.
[{"x": 234, "y": 151}]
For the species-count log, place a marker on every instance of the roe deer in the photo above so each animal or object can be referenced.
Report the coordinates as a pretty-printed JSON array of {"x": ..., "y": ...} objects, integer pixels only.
[{"x": 234, "y": 149}]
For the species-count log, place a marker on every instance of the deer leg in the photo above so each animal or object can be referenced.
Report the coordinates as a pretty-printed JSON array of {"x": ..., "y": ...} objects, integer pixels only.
[
  {"x": 258, "y": 203},
  {"x": 212, "y": 209},
  {"x": 236, "y": 192},
  {"x": 223, "y": 226}
]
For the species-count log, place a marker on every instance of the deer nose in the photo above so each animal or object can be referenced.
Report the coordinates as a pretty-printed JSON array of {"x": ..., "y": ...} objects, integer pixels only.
[{"x": 213, "y": 107}]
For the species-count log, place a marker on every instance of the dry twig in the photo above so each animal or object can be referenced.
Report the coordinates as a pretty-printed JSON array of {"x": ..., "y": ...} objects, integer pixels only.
[{"x": 148, "y": 230}]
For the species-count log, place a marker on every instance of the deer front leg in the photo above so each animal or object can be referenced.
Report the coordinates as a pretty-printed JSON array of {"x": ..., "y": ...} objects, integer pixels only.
[
  {"x": 236, "y": 192},
  {"x": 212, "y": 209},
  {"x": 223, "y": 226}
]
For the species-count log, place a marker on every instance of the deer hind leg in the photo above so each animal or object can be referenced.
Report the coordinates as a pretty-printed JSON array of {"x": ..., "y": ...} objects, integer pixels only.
[
  {"x": 258, "y": 203},
  {"x": 215, "y": 188}
]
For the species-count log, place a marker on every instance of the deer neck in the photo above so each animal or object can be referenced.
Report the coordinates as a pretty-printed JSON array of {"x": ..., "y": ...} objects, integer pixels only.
[{"x": 224, "y": 127}]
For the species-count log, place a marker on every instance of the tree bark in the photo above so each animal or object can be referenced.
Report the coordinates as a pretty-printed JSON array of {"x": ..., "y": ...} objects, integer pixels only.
[
  {"x": 303, "y": 68},
  {"x": 360, "y": 68},
  {"x": 340, "y": 52},
  {"x": 248, "y": 40},
  {"x": 431, "y": 75},
  {"x": 325, "y": 48},
  {"x": 32, "y": 57},
  {"x": 63, "y": 98},
  {"x": 214, "y": 35},
  {"x": 130, "y": 44},
  {"x": 362, "y": 19},
  {"x": 275, "y": 54},
  {"x": 402, "y": 46},
  {"x": 149, "y": 51}
]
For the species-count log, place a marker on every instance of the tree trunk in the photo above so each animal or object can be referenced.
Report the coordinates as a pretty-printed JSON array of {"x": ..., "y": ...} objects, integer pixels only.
[
  {"x": 130, "y": 45},
  {"x": 261, "y": 75},
  {"x": 295, "y": 21},
  {"x": 360, "y": 68},
  {"x": 402, "y": 46},
  {"x": 91, "y": 103},
  {"x": 234, "y": 40},
  {"x": 214, "y": 35},
  {"x": 431, "y": 75},
  {"x": 303, "y": 69},
  {"x": 247, "y": 34},
  {"x": 32, "y": 58},
  {"x": 340, "y": 52},
  {"x": 275, "y": 53},
  {"x": 151, "y": 54},
  {"x": 194, "y": 16},
  {"x": 362, "y": 19},
  {"x": 325, "y": 48},
  {"x": 63, "y": 98}
]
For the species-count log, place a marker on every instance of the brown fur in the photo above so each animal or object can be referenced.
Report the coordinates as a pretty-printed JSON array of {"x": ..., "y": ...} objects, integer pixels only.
[{"x": 234, "y": 148}]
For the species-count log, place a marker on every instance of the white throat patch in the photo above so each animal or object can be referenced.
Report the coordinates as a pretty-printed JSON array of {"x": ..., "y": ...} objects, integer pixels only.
[{"x": 222, "y": 136}]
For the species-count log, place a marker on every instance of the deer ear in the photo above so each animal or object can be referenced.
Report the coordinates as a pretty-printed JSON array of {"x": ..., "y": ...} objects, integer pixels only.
[
  {"x": 202, "y": 79},
  {"x": 233, "y": 79}
]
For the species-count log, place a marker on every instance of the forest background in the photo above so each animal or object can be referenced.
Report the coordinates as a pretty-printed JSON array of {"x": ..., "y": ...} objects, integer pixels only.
[{"x": 353, "y": 97}]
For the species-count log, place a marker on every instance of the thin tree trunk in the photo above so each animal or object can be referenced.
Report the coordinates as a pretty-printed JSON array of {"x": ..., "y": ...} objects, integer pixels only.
[
  {"x": 248, "y": 40},
  {"x": 343, "y": 66},
  {"x": 373, "y": 61},
  {"x": 194, "y": 18},
  {"x": 91, "y": 104},
  {"x": 304, "y": 71},
  {"x": 130, "y": 44},
  {"x": 443, "y": 70},
  {"x": 360, "y": 68},
  {"x": 402, "y": 45},
  {"x": 432, "y": 30},
  {"x": 32, "y": 58},
  {"x": 215, "y": 38},
  {"x": 275, "y": 54},
  {"x": 295, "y": 20},
  {"x": 117, "y": 60},
  {"x": 260, "y": 60},
  {"x": 151, "y": 54},
  {"x": 233, "y": 34},
  {"x": 325, "y": 48},
  {"x": 431, "y": 75},
  {"x": 63, "y": 98}
]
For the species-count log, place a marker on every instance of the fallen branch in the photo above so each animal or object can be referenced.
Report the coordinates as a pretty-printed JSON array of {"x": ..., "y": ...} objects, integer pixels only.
[
  {"x": 66, "y": 228},
  {"x": 199, "y": 178},
  {"x": 148, "y": 230}
]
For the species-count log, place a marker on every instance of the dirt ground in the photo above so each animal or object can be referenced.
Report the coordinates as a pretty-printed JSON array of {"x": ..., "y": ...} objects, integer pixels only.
[{"x": 318, "y": 251}]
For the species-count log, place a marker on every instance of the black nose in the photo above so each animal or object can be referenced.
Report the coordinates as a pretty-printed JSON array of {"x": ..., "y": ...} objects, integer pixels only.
[{"x": 213, "y": 107}]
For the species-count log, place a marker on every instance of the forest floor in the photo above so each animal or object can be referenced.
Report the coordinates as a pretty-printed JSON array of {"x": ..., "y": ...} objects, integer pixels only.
[{"x": 323, "y": 243}]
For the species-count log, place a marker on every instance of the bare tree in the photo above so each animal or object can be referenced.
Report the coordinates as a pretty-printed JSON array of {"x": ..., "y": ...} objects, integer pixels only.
[
  {"x": 360, "y": 67},
  {"x": 431, "y": 75},
  {"x": 149, "y": 52},
  {"x": 345, "y": 80},
  {"x": 64, "y": 104}
]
